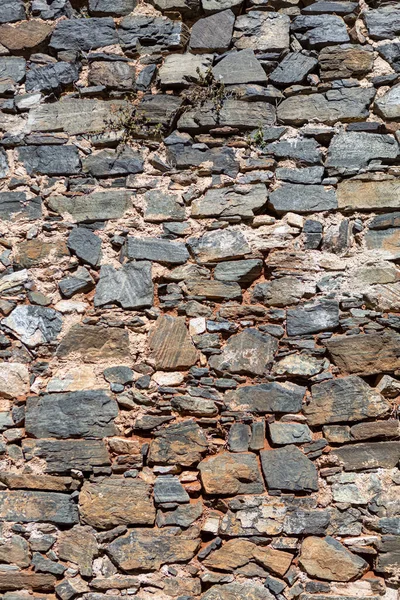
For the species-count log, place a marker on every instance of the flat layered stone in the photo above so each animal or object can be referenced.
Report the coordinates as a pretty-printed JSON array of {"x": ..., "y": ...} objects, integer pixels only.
[
  {"x": 180, "y": 70},
  {"x": 149, "y": 34},
  {"x": 388, "y": 105},
  {"x": 214, "y": 290},
  {"x": 16, "y": 481},
  {"x": 316, "y": 31},
  {"x": 34, "y": 325},
  {"x": 61, "y": 456},
  {"x": 171, "y": 344},
  {"x": 85, "y": 244},
  {"x": 216, "y": 246},
  {"x": 12, "y": 68},
  {"x": 51, "y": 78},
  {"x": 300, "y": 149},
  {"x": 159, "y": 250},
  {"x": 87, "y": 414},
  {"x": 182, "y": 443},
  {"x": 303, "y": 199},
  {"x": 92, "y": 343},
  {"x": 354, "y": 194},
  {"x": 301, "y": 521},
  {"x": 254, "y": 515},
  {"x": 282, "y": 291},
  {"x": 79, "y": 546},
  {"x": 237, "y": 591},
  {"x": 369, "y": 455},
  {"x": 33, "y": 507},
  {"x": 130, "y": 286},
  {"x": 328, "y": 559},
  {"x": 344, "y": 399},
  {"x": 15, "y": 550},
  {"x": 168, "y": 488},
  {"x": 105, "y": 8},
  {"x": 108, "y": 163},
  {"x": 351, "y": 151},
  {"x": 345, "y": 61},
  {"x": 239, "y": 67},
  {"x": 312, "y": 317},
  {"x": 388, "y": 242},
  {"x": 243, "y": 271},
  {"x": 26, "y": 35},
  {"x": 247, "y": 352},
  {"x": 12, "y": 10},
  {"x": 375, "y": 429},
  {"x": 117, "y": 74},
  {"x": 149, "y": 549},
  {"x": 84, "y": 34},
  {"x": 263, "y": 31},
  {"x": 37, "y": 253},
  {"x": 15, "y": 579},
  {"x": 242, "y": 201},
  {"x": 159, "y": 109},
  {"x": 234, "y": 113},
  {"x": 289, "y": 433},
  {"x": 273, "y": 397},
  {"x": 97, "y": 206},
  {"x": 293, "y": 69},
  {"x": 383, "y": 23},
  {"x": 288, "y": 469},
  {"x": 229, "y": 474},
  {"x": 213, "y": 33},
  {"x": 14, "y": 380},
  {"x": 116, "y": 501},
  {"x": 365, "y": 354},
  {"x": 161, "y": 207}
]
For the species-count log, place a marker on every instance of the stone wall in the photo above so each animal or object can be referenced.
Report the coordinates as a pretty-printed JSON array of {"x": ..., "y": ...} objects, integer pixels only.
[{"x": 200, "y": 299}]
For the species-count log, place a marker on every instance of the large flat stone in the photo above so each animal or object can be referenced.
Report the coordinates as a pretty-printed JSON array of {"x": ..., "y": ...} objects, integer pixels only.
[
  {"x": 98, "y": 206},
  {"x": 264, "y": 31},
  {"x": 79, "y": 546},
  {"x": 388, "y": 242},
  {"x": 312, "y": 317},
  {"x": 130, "y": 287},
  {"x": 369, "y": 455},
  {"x": 316, "y": 31},
  {"x": 151, "y": 34},
  {"x": 171, "y": 344},
  {"x": 365, "y": 354},
  {"x": 328, "y": 559},
  {"x": 12, "y": 10},
  {"x": 108, "y": 163},
  {"x": 293, "y": 69},
  {"x": 213, "y": 33},
  {"x": 92, "y": 343},
  {"x": 159, "y": 250},
  {"x": 229, "y": 474},
  {"x": 182, "y": 443},
  {"x": 237, "y": 591},
  {"x": 239, "y": 67},
  {"x": 351, "y": 151},
  {"x": 105, "y": 8},
  {"x": 180, "y": 70},
  {"x": 34, "y": 325},
  {"x": 388, "y": 105},
  {"x": 273, "y": 397},
  {"x": 345, "y": 61},
  {"x": 50, "y": 160},
  {"x": 84, "y": 34},
  {"x": 17, "y": 205},
  {"x": 227, "y": 202},
  {"x": 233, "y": 113},
  {"x": 216, "y": 246},
  {"x": 248, "y": 352},
  {"x": 288, "y": 469},
  {"x": 15, "y": 579},
  {"x": 33, "y": 507},
  {"x": 60, "y": 456},
  {"x": 383, "y": 23},
  {"x": 355, "y": 194},
  {"x": 303, "y": 199},
  {"x": 25, "y": 36},
  {"x": 14, "y": 380}
]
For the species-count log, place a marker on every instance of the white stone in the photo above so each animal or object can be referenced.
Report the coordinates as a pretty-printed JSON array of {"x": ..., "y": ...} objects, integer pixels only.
[
  {"x": 71, "y": 306},
  {"x": 163, "y": 378},
  {"x": 197, "y": 325},
  {"x": 14, "y": 380}
]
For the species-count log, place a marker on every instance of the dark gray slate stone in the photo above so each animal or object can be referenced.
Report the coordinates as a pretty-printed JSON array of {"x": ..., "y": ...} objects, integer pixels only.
[
  {"x": 12, "y": 67},
  {"x": 159, "y": 108},
  {"x": 262, "y": 31},
  {"x": 304, "y": 150},
  {"x": 11, "y": 11},
  {"x": 215, "y": 6},
  {"x": 105, "y": 8},
  {"x": 4, "y": 167},
  {"x": 385, "y": 221},
  {"x": 289, "y": 433},
  {"x": 369, "y": 455},
  {"x": 383, "y": 23},
  {"x": 308, "y": 175},
  {"x": 120, "y": 374},
  {"x": 34, "y": 325},
  {"x": 15, "y": 205},
  {"x": 183, "y": 516},
  {"x": 98, "y": 206},
  {"x": 216, "y": 246},
  {"x": 302, "y": 199},
  {"x": 264, "y": 398},
  {"x": 289, "y": 470},
  {"x": 51, "y": 9},
  {"x": 130, "y": 286},
  {"x": 239, "y": 437},
  {"x": 50, "y": 160},
  {"x": 107, "y": 163},
  {"x": 184, "y": 156},
  {"x": 306, "y": 522},
  {"x": 145, "y": 77},
  {"x": 161, "y": 207},
  {"x": 391, "y": 53},
  {"x": 145, "y": 34},
  {"x": 234, "y": 113},
  {"x": 51, "y": 78},
  {"x": 247, "y": 352},
  {"x": 320, "y": 30},
  {"x": 353, "y": 151},
  {"x": 85, "y": 244},
  {"x": 241, "y": 201},
  {"x": 293, "y": 69},
  {"x": 79, "y": 283},
  {"x": 84, "y": 34},
  {"x": 243, "y": 271},
  {"x": 63, "y": 455},
  {"x": 313, "y": 317},
  {"x": 163, "y": 251},
  {"x": 168, "y": 488},
  {"x": 240, "y": 67},
  {"x": 32, "y": 507},
  {"x": 87, "y": 414},
  {"x": 213, "y": 33}
]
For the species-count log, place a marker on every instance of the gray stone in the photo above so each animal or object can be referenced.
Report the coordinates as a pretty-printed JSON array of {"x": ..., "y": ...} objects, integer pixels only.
[
  {"x": 33, "y": 507},
  {"x": 342, "y": 400},
  {"x": 313, "y": 317},
  {"x": 185, "y": 156},
  {"x": 247, "y": 352},
  {"x": 12, "y": 68},
  {"x": 182, "y": 443},
  {"x": 159, "y": 109},
  {"x": 308, "y": 175},
  {"x": 282, "y": 291},
  {"x": 241, "y": 201},
  {"x": 4, "y": 166},
  {"x": 350, "y": 152},
  {"x": 391, "y": 53},
  {"x": 168, "y": 488},
  {"x": 243, "y": 271},
  {"x": 213, "y": 33},
  {"x": 15, "y": 550},
  {"x": 171, "y": 344},
  {"x": 237, "y": 591},
  {"x": 293, "y": 69},
  {"x": 185, "y": 7},
  {"x": 16, "y": 205},
  {"x": 120, "y": 374},
  {"x": 182, "y": 516},
  {"x": 161, "y": 207},
  {"x": 229, "y": 474},
  {"x": 159, "y": 250},
  {"x": 234, "y": 113},
  {"x": 34, "y": 325},
  {"x": 108, "y": 163},
  {"x": 181, "y": 70},
  {"x": 304, "y": 150},
  {"x": 60, "y": 456},
  {"x": 98, "y": 206},
  {"x": 86, "y": 414},
  {"x": 45, "y": 565},
  {"x": 320, "y": 30},
  {"x": 213, "y": 290},
  {"x": 51, "y": 78},
  {"x": 216, "y": 246},
  {"x": 116, "y": 74},
  {"x": 215, "y": 6},
  {"x": 263, "y": 31},
  {"x": 239, "y": 437},
  {"x": 306, "y": 522},
  {"x": 388, "y": 105},
  {"x": 50, "y": 160},
  {"x": 84, "y": 34},
  {"x": 264, "y": 398},
  {"x": 240, "y": 67},
  {"x": 369, "y": 455},
  {"x": 343, "y": 104},
  {"x": 85, "y": 244},
  {"x": 147, "y": 34},
  {"x": 48, "y": 9},
  {"x": 130, "y": 286},
  {"x": 12, "y": 10},
  {"x": 303, "y": 199},
  {"x": 289, "y": 433},
  {"x": 345, "y": 61},
  {"x": 194, "y": 407},
  {"x": 79, "y": 283},
  {"x": 383, "y": 23},
  {"x": 105, "y": 8},
  {"x": 289, "y": 470}
]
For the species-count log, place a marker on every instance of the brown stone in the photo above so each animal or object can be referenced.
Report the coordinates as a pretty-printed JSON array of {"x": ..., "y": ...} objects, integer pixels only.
[
  {"x": 171, "y": 345},
  {"x": 25, "y": 35},
  {"x": 93, "y": 343},
  {"x": 346, "y": 61},
  {"x": 237, "y": 553},
  {"x": 78, "y": 545},
  {"x": 365, "y": 354},
  {"x": 118, "y": 501},
  {"x": 14, "y": 380},
  {"x": 376, "y": 429},
  {"x": 36, "y": 253},
  {"x": 24, "y": 580},
  {"x": 355, "y": 194},
  {"x": 328, "y": 559},
  {"x": 182, "y": 443},
  {"x": 230, "y": 474},
  {"x": 14, "y": 550},
  {"x": 370, "y": 455},
  {"x": 388, "y": 241},
  {"x": 15, "y": 481}
]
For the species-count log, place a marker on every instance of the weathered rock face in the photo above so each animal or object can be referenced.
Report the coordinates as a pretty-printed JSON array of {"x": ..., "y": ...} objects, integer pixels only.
[
  {"x": 131, "y": 286},
  {"x": 367, "y": 354},
  {"x": 248, "y": 352},
  {"x": 183, "y": 443},
  {"x": 328, "y": 559},
  {"x": 171, "y": 344},
  {"x": 231, "y": 474},
  {"x": 288, "y": 469},
  {"x": 31, "y": 507}
]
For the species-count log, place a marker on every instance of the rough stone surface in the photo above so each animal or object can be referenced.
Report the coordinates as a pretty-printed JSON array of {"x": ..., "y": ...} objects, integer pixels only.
[
  {"x": 130, "y": 287},
  {"x": 34, "y": 325},
  {"x": 287, "y": 469},
  {"x": 328, "y": 559},
  {"x": 231, "y": 474},
  {"x": 302, "y": 199},
  {"x": 248, "y": 352},
  {"x": 171, "y": 344}
]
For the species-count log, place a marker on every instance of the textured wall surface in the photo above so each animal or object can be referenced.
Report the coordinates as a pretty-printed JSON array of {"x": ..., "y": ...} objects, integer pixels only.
[{"x": 200, "y": 299}]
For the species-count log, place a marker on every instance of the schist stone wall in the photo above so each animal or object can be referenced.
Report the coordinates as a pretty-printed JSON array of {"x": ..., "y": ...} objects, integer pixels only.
[{"x": 200, "y": 299}]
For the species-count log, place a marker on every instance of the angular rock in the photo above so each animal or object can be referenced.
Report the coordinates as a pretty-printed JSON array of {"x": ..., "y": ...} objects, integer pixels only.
[
  {"x": 15, "y": 579},
  {"x": 34, "y": 325},
  {"x": 312, "y": 317},
  {"x": 315, "y": 31},
  {"x": 344, "y": 399},
  {"x": 93, "y": 343},
  {"x": 300, "y": 149},
  {"x": 87, "y": 414},
  {"x": 183, "y": 516},
  {"x": 182, "y": 443},
  {"x": 350, "y": 152},
  {"x": 78, "y": 545},
  {"x": 300, "y": 522},
  {"x": 288, "y": 469},
  {"x": 171, "y": 345},
  {"x": 344, "y": 104},
  {"x": 289, "y": 433},
  {"x": 239, "y": 67},
  {"x": 263, "y": 31},
  {"x": 237, "y": 591},
  {"x": 85, "y": 244},
  {"x": 15, "y": 550},
  {"x": 383, "y": 23},
  {"x": 84, "y": 34},
  {"x": 213, "y": 290},
  {"x": 229, "y": 474},
  {"x": 117, "y": 74},
  {"x": 369, "y": 455},
  {"x": 51, "y": 78},
  {"x": 33, "y": 507},
  {"x": 242, "y": 201},
  {"x": 243, "y": 271},
  {"x": 180, "y": 70},
  {"x": 376, "y": 429},
  {"x": 281, "y": 292},
  {"x": 61, "y": 456},
  {"x": 216, "y": 246},
  {"x": 302, "y": 199},
  {"x": 108, "y": 163},
  {"x": 346, "y": 61},
  {"x": 159, "y": 109},
  {"x": 12, "y": 10},
  {"x": 156, "y": 249},
  {"x": 365, "y": 354},
  {"x": 194, "y": 407},
  {"x": 298, "y": 365},
  {"x": 130, "y": 286},
  {"x": 388, "y": 242},
  {"x": 354, "y": 194},
  {"x": 247, "y": 352},
  {"x": 265, "y": 398},
  {"x": 12, "y": 68},
  {"x": 293, "y": 69},
  {"x": 267, "y": 516},
  {"x": 185, "y": 156},
  {"x": 103, "y": 8},
  {"x": 98, "y": 206},
  {"x": 328, "y": 559},
  {"x": 168, "y": 488},
  {"x": 215, "y": 6},
  {"x": 46, "y": 9},
  {"x": 26, "y": 35},
  {"x": 80, "y": 283},
  {"x": 213, "y": 33},
  {"x": 116, "y": 501},
  {"x": 161, "y": 207},
  {"x": 36, "y": 252},
  {"x": 14, "y": 380},
  {"x": 148, "y": 34},
  {"x": 234, "y": 113},
  {"x": 388, "y": 105}
]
